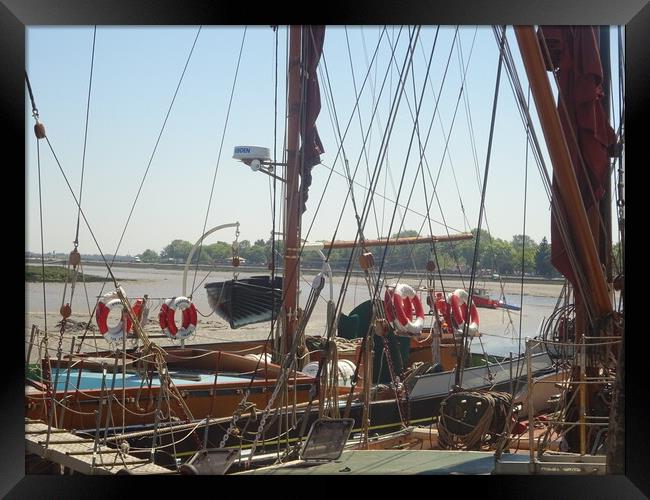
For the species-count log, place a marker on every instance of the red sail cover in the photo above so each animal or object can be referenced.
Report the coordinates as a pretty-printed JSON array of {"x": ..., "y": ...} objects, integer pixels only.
[
  {"x": 312, "y": 46},
  {"x": 573, "y": 54}
]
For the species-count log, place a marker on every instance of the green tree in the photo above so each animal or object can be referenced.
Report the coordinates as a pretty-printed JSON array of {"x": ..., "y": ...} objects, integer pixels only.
[
  {"x": 517, "y": 240},
  {"x": 502, "y": 256},
  {"x": 255, "y": 254},
  {"x": 616, "y": 256},
  {"x": 149, "y": 256},
  {"x": 543, "y": 265},
  {"x": 219, "y": 251},
  {"x": 177, "y": 250},
  {"x": 530, "y": 250},
  {"x": 465, "y": 251}
]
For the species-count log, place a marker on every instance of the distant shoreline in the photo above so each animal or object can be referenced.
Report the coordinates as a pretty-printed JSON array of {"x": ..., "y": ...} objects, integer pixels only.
[
  {"x": 58, "y": 274},
  {"x": 263, "y": 270}
]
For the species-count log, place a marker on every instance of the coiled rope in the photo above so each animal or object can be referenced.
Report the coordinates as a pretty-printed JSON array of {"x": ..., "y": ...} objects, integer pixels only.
[{"x": 470, "y": 420}]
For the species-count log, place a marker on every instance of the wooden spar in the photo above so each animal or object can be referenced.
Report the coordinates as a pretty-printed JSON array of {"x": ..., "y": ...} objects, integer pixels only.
[
  {"x": 564, "y": 174},
  {"x": 399, "y": 241},
  {"x": 606, "y": 202},
  {"x": 292, "y": 213}
]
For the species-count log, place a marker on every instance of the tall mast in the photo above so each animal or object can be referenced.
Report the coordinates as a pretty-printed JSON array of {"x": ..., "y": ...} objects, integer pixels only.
[
  {"x": 606, "y": 202},
  {"x": 589, "y": 241},
  {"x": 585, "y": 246},
  {"x": 616, "y": 433},
  {"x": 292, "y": 174}
]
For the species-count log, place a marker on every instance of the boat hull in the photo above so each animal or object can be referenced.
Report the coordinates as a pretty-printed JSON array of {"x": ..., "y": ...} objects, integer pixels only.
[
  {"x": 246, "y": 301},
  {"x": 386, "y": 416}
]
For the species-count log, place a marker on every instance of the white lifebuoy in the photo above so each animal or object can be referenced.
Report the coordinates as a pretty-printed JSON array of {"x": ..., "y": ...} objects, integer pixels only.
[
  {"x": 105, "y": 305},
  {"x": 168, "y": 323},
  {"x": 458, "y": 301},
  {"x": 408, "y": 316}
]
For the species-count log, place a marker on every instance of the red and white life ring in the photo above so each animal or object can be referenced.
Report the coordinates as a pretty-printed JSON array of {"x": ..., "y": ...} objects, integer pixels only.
[
  {"x": 105, "y": 305},
  {"x": 167, "y": 322},
  {"x": 458, "y": 300},
  {"x": 404, "y": 310}
]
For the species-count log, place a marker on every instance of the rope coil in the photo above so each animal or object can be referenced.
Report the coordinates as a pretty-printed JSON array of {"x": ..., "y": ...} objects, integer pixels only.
[{"x": 471, "y": 420}]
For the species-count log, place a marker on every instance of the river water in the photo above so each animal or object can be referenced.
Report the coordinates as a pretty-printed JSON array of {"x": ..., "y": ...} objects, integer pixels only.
[{"x": 499, "y": 328}]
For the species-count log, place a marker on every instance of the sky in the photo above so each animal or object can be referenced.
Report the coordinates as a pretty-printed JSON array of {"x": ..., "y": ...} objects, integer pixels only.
[{"x": 136, "y": 71}]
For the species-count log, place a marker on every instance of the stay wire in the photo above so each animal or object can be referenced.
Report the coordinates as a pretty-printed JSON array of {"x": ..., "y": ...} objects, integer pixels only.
[
  {"x": 480, "y": 216},
  {"x": 83, "y": 156},
  {"x": 40, "y": 199},
  {"x": 423, "y": 157},
  {"x": 416, "y": 131},
  {"x": 365, "y": 151},
  {"x": 320, "y": 201},
  {"x": 523, "y": 248},
  {"x": 216, "y": 169},
  {"x": 423, "y": 149},
  {"x": 379, "y": 161},
  {"x": 408, "y": 154},
  {"x": 162, "y": 129},
  {"x": 424, "y": 215},
  {"x": 141, "y": 182},
  {"x": 426, "y": 142},
  {"x": 40, "y": 212},
  {"x": 275, "y": 160},
  {"x": 560, "y": 216},
  {"x": 399, "y": 92}
]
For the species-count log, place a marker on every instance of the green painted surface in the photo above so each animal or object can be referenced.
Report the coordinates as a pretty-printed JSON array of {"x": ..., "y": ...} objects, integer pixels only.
[
  {"x": 390, "y": 462},
  {"x": 355, "y": 325}
]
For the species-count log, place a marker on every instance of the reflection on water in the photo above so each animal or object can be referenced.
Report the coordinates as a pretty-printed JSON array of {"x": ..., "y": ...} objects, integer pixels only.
[{"x": 500, "y": 328}]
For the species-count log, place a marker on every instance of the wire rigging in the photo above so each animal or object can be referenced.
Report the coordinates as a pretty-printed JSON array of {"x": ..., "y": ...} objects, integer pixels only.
[
  {"x": 458, "y": 373},
  {"x": 83, "y": 156},
  {"x": 216, "y": 168}
]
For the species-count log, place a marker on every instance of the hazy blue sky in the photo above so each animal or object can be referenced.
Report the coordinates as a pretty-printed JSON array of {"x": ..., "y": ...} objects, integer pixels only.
[{"x": 136, "y": 70}]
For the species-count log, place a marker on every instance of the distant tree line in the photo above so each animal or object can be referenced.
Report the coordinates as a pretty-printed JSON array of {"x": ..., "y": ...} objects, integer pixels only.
[{"x": 494, "y": 255}]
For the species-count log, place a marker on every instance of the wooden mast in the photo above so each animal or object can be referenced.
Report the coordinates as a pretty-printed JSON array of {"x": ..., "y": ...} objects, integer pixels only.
[
  {"x": 616, "y": 433},
  {"x": 585, "y": 247},
  {"x": 606, "y": 202},
  {"x": 589, "y": 241},
  {"x": 292, "y": 175}
]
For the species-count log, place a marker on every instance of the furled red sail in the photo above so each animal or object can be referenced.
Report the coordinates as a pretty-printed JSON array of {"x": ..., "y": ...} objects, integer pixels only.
[
  {"x": 573, "y": 54},
  {"x": 312, "y": 147}
]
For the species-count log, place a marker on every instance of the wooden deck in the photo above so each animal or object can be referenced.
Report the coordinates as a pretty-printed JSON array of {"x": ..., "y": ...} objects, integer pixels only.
[
  {"x": 387, "y": 462},
  {"x": 78, "y": 454}
]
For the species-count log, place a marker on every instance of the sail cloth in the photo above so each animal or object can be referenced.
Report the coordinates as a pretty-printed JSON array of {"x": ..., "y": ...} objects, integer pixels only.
[
  {"x": 573, "y": 54},
  {"x": 311, "y": 146}
]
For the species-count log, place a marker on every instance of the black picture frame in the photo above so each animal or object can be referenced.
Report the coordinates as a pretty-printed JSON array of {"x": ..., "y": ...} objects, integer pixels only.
[{"x": 16, "y": 15}]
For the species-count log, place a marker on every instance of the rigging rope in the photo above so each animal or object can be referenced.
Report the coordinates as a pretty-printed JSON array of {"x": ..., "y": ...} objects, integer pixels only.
[
  {"x": 458, "y": 374},
  {"x": 383, "y": 260},
  {"x": 83, "y": 156},
  {"x": 271, "y": 262},
  {"x": 365, "y": 152},
  {"x": 320, "y": 201},
  {"x": 171, "y": 105},
  {"x": 149, "y": 346},
  {"x": 523, "y": 243},
  {"x": 423, "y": 157},
  {"x": 216, "y": 169},
  {"x": 465, "y": 433},
  {"x": 537, "y": 152}
]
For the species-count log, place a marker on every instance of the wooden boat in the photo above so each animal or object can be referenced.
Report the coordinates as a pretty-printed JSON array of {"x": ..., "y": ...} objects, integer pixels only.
[
  {"x": 245, "y": 301},
  {"x": 210, "y": 382},
  {"x": 480, "y": 298},
  {"x": 240, "y": 407},
  {"x": 586, "y": 371}
]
